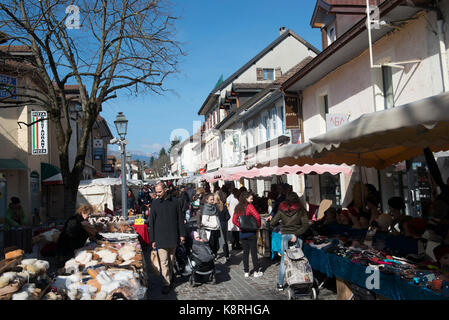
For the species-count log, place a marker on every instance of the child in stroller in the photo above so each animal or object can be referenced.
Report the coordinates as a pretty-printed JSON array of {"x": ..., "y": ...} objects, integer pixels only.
[{"x": 201, "y": 259}]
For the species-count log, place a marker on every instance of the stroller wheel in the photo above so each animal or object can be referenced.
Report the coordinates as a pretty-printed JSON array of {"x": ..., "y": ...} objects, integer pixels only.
[
  {"x": 314, "y": 294},
  {"x": 290, "y": 294}
]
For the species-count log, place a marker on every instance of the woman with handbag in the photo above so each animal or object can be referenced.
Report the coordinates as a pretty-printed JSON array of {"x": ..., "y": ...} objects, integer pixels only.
[
  {"x": 247, "y": 219},
  {"x": 207, "y": 219}
]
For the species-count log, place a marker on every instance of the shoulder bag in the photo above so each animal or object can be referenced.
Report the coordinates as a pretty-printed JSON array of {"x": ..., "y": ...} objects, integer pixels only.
[{"x": 247, "y": 223}]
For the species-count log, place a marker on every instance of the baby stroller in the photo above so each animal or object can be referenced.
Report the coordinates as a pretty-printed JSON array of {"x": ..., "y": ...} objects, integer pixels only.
[
  {"x": 299, "y": 274},
  {"x": 201, "y": 262}
]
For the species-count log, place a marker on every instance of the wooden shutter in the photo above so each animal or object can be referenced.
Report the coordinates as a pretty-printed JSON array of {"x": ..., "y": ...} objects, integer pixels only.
[
  {"x": 259, "y": 74},
  {"x": 277, "y": 73}
]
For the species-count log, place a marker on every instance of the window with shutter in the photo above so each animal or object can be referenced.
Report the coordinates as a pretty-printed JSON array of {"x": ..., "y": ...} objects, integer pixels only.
[
  {"x": 277, "y": 73},
  {"x": 259, "y": 74}
]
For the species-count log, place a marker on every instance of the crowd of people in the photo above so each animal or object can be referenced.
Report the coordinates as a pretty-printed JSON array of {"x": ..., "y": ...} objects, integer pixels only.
[{"x": 175, "y": 214}]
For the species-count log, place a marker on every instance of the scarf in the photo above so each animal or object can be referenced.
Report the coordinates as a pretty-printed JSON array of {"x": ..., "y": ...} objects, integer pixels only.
[{"x": 210, "y": 210}]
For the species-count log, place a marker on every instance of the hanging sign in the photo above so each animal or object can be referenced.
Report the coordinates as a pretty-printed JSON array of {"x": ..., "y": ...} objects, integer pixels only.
[
  {"x": 39, "y": 133},
  {"x": 8, "y": 87}
]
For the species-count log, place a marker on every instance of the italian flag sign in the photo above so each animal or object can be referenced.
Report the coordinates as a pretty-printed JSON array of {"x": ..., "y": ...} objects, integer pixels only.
[{"x": 39, "y": 133}]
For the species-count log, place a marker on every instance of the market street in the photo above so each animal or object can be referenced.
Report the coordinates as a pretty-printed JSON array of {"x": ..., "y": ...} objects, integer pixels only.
[{"x": 231, "y": 285}]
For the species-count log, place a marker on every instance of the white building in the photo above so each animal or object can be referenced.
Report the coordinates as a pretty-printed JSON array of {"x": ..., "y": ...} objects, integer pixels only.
[{"x": 410, "y": 56}]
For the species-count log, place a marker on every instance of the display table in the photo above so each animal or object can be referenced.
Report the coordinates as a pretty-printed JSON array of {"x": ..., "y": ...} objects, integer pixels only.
[
  {"x": 391, "y": 286},
  {"x": 142, "y": 231}
]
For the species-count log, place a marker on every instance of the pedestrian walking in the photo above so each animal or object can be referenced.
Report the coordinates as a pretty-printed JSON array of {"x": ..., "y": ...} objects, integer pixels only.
[
  {"x": 232, "y": 201},
  {"x": 295, "y": 223},
  {"x": 248, "y": 238},
  {"x": 208, "y": 220},
  {"x": 224, "y": 217},
  {"x": 166, "y": 231}
]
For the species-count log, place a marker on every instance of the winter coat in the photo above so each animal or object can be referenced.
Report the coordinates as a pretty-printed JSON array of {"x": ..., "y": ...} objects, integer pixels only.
[
  {"x": 293, "y": 222},
  {"x": 224, "y": 217},
  {"x": 72, "y": 237},
  {"x": 12, "y": 221},
  {"x": 232, "y": 202},
  {"x": 250, "y": 211},
  {"x": 184, "y": 199},
  {"x": 166, "y": 222},
  {"x": 131, "y": 203}
]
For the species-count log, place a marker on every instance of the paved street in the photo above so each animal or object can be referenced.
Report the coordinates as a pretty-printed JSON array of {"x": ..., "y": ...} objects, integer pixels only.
[{"x": 231, "y": 284}]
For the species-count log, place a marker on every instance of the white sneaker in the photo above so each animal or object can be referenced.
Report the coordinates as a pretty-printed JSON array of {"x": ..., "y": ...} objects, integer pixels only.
[
  {"x": 246, "y": 274},
  {"x": 258, "y": 274}
]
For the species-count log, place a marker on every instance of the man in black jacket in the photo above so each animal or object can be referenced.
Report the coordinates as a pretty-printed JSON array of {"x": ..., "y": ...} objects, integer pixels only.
[{"x": 166, "y": 230}]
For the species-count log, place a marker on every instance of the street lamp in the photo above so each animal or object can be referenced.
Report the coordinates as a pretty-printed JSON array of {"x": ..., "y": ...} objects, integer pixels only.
[{"x": 121, "y": 124}]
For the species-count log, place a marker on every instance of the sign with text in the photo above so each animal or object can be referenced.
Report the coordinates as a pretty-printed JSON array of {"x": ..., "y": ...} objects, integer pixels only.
[
  {"x": 291, "y": 112},
  {"x": 8, "y": 87},
  {"x": 107, "y": 167},
  {"x": 336, "y": 120},
  {"x": 39, "y": 133}
]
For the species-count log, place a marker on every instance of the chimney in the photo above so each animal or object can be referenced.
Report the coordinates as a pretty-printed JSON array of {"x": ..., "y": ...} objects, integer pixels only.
[{"x": 282, "y": 30}]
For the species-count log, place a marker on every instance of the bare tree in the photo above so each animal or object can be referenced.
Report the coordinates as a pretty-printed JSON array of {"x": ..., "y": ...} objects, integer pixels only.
[{"x": 118, "y": 45}]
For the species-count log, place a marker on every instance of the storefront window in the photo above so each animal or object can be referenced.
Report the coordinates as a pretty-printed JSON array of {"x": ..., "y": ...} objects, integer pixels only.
[{"x": 330, "y": 188}]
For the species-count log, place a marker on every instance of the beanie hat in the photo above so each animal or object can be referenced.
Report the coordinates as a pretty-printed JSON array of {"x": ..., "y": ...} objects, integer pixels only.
[{"x": 15, "y": 200}]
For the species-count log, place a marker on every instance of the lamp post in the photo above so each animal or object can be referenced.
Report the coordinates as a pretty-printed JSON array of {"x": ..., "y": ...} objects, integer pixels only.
[
  {"x": 121, "y": 124},
  {"x": 128, "y": 160}
]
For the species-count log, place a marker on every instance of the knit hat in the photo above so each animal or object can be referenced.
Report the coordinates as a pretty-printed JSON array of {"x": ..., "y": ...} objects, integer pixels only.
[{"x": 15, "y": 200}]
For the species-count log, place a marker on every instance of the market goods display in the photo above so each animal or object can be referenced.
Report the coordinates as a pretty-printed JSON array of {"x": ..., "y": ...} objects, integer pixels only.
[
  {"x": 25, "y": 280},
  {"x": 418, "y": 274},
  {"x": 106, "y": 272}
]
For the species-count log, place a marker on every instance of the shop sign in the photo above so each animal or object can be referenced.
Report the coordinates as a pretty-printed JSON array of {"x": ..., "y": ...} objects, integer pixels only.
[
  {"x": 291, "y": 112},
  {"x": 8, "y": 87},
  {"x": 39, "y": 133},
  {"x": 108, "y": 168},
  {"x": 336, "y": 120}
]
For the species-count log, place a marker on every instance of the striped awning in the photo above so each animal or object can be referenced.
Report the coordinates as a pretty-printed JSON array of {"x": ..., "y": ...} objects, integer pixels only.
[{"x": 51, "y": 174}]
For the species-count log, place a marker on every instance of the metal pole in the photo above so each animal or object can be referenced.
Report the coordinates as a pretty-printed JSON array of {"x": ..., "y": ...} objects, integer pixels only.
[{"x": 124, "y": 204}]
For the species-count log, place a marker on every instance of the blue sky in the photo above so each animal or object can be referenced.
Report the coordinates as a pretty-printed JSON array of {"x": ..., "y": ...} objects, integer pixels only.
[{"x": 218, "y": 37}]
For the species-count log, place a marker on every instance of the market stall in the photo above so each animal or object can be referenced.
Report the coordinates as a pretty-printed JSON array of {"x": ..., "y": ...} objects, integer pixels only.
[
  {"x": 98, "y": 192},
  {"x": 105, "y": 270}
]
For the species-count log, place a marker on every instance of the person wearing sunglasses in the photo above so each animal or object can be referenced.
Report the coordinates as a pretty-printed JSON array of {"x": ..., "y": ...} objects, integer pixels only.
[{"x": 294, "y": 224}]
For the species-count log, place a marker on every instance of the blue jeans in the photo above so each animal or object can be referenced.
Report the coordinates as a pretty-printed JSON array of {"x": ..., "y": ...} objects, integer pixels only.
[{"x": 285, "y": 239}]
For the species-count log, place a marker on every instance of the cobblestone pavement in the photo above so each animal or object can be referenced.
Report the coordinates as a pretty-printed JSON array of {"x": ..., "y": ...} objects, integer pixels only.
[{"x": 232, "y": 285}]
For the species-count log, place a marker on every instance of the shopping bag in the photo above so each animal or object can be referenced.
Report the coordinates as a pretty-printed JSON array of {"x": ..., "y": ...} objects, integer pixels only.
[{"x": 210, "y": 222}]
